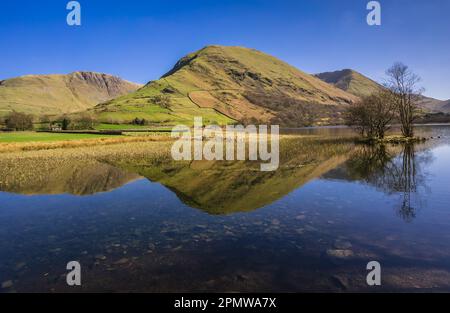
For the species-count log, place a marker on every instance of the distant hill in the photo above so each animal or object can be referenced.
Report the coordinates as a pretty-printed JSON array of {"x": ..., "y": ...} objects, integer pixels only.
[
  {"x": 359, "y": 85},
  {"x": 350, "y": 81},
  {"x": 434, "y": 105},
  {"x": 58, "y": 94},
  {"x": 446, "y": 106},
  {"x": 228, "y": 84}
]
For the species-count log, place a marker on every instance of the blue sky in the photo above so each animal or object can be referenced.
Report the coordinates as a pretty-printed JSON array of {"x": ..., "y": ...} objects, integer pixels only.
[{"x": 141, "y": 40}]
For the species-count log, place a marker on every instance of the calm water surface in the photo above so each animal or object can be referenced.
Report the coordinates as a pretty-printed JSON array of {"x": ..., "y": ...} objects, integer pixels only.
[{"x": 180, "y": 232}]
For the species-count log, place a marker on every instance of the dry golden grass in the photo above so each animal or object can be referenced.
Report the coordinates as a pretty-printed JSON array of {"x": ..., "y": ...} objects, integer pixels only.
[
  {"x": 31, "y": 146},
  {"x": 87, "y": 169},
  {"x": 77, "y": 170}
]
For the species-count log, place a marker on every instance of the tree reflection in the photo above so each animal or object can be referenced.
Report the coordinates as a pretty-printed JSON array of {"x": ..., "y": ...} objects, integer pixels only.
[{"x": 394, "y": 170}]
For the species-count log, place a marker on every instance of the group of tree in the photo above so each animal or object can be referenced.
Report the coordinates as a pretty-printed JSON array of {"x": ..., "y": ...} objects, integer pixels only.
[
  {"x": 18, "y": 121},
  {"x": 82, "y": 122},
  {"x": 163, "y": 101},
  {"x": 397, "y": 101},
  {"x": 372, "y": 115},
  {"x": 139, "y": 121}
]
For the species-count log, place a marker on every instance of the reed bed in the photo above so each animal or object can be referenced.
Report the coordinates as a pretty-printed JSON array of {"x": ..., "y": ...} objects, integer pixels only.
[
  {"x": 32, "y": 146},
  {"x": 53, "y": 168}
]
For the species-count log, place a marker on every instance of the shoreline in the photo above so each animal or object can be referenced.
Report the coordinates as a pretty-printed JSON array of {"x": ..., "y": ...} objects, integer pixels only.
[{"x": 396, "y": 139}]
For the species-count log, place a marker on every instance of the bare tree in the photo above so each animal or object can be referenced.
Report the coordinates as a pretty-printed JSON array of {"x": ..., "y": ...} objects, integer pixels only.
[
  {"x": 19, "y": 121},
  {"x": 357, "y": 116},
  {"x": 372, "y": 115},
  {"x": 403, "y": 84},
  {"x": 383, "y": 111}
]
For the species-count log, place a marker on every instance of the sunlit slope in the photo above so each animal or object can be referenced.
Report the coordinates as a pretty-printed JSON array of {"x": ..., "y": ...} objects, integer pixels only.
[
  {"x": 223, "y": 84},
  {"x": 59, "y": 94}
]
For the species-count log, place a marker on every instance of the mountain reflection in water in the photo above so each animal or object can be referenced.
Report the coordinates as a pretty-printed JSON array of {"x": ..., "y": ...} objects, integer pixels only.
[
  {"x": 216, "y": 187},
  {"x": 226, "y": 187},
  {"x": 312, "y": 225}
]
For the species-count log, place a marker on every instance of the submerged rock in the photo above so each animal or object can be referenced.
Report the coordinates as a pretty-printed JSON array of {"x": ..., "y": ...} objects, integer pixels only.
[
  {"x": 177, "y": 248},
  {"x": 342, "y": 244},
  {"x": 241, "y": 277},
  {"x": 339, "y": 253},
  {"x": 20, "y": 265},
  {"x": 122, "y": 261},
  {"x": 7, "y": 284},
  {"x": 340, "y": 282}
]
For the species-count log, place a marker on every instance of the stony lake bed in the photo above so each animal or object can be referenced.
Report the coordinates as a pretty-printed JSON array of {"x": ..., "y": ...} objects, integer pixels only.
[{"x": 138, "y": 221}]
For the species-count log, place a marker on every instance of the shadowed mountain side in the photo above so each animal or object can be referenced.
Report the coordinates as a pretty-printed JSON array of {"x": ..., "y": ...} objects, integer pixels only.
[
  {"x": 434, "y": 105},
  {"x": 446, "y": 106},
  {"x": 60, "y": 176},
  {"x": 224, "y": 187}
]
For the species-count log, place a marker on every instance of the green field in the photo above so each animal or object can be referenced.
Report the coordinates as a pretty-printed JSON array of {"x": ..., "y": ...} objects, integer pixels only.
[
  {"x": 120, "y": 126},
  {"x": 9, "y": 137},
  {"x": 131, "y": 127}
]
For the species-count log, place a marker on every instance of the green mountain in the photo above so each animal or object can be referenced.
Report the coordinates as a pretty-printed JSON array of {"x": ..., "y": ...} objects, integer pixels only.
[
  {"x": 58, "y": 94},
  {"x": 350, "y": 81},
  {"x": 229, "y": 84}
]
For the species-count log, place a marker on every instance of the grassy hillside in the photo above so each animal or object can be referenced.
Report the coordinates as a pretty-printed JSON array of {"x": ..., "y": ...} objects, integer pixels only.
[
  {"x": 58, "y": 94},
  {"x": 226, "y": 84},
  {"x": 351, "y": 81}
]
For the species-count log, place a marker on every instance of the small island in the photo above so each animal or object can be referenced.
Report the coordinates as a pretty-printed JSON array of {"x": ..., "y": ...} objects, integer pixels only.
[{"x": 396, "y": 102}]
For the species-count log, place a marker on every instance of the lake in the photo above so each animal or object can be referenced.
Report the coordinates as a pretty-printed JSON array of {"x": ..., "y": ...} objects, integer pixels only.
[{"x": 313, "y": 225}]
